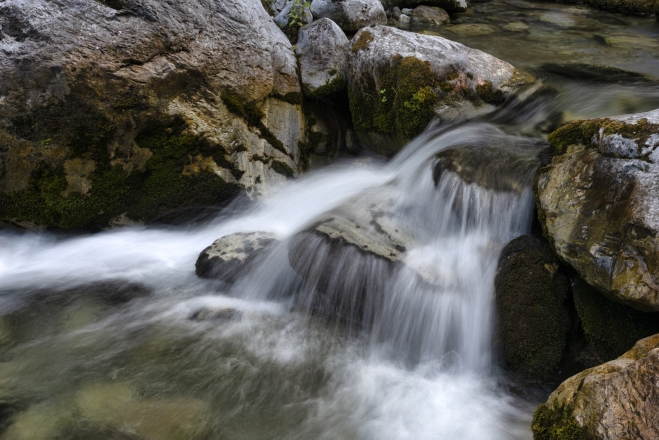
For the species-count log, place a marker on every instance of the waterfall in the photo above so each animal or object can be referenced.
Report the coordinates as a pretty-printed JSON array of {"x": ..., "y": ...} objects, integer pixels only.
[{"x": 402, "y": 346}]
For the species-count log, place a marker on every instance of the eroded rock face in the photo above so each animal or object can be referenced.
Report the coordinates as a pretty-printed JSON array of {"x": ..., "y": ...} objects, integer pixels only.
[
  {"x": 350, "y": 15},
  {"x": 616, "y": 400},
  {"x": 322, "y": 54},
  {"x": 398, "y": 81},
  {"x": 598, "y": 201},
  {"x": 134, "y": 107},
  {"x": 531, "y": 291},
  {"x": 228, "y": 257}
]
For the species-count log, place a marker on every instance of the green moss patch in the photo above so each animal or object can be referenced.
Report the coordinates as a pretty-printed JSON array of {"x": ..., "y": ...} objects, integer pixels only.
[
  {"x": 556, "y": 424},
  {"x": 142, "y": 195},
  {"x": 531, "y": 292},
  {"x": 489, "y": 95},
  {"x": 611, "y": 327},
  {"x": 402, "y": 103},
  {"x": 336, "y": 85},
  {"x": 362, "y": 43}
]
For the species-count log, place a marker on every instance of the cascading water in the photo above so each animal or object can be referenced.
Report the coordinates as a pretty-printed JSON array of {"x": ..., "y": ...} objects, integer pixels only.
[{"x": 408, "y": 356}]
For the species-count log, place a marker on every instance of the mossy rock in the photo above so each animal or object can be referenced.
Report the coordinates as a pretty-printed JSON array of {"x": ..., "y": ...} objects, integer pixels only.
[
  {"x": 110, "y": 188},
  {"x": 555, "y": 424},
  {"x": 406, "y": 99},
  {"x": 531, "y": 292},
  {"x": 612, "y": 328}
]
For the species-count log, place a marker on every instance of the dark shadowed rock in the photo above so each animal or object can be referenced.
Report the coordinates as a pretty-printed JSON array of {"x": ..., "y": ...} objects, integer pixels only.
[{"x": 533, "y": 320}]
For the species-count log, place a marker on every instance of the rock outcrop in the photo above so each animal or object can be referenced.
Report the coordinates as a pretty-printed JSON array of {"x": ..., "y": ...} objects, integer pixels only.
[
  {"x": 598, "y": 202},
  {"x": 350, "y": 15},
  {"x": 322, "y": 56},
  {"x": 616, "y": 400},
  {"x": 399, "y": 81},
  {"x": 230, "y": 256},
  {"x": 533, "y": 320},
  {"x": 136, "y": 107}
]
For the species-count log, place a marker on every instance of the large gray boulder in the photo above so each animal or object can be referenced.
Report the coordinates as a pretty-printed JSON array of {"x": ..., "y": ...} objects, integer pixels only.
[
  {"x": 399, "y": 81},
  {"x": 350, "y": 15},
  {"x": 616, "y": 400},
  {"x": 135, "y": 107},
  {"x": 598, "y": 202},
  {"x": 322, "y": 56}
]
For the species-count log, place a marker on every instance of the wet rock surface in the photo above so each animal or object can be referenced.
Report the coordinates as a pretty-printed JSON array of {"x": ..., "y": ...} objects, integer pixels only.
[
  {"x": 496, "y": 167},
  {"x": 598, "y": 202},
  {"x": 230, "y": 256},
  {"x": 448, "y": 5},
  {"x": 616, "y": 400},
  {"x": 399, "y": 81},
  {"x": 430, "y": 14},
  {"x": 322, "y": 55},
  {"x": 120, "y": 108}
]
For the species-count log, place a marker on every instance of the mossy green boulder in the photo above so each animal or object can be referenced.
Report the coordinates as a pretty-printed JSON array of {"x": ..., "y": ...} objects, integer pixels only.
[
  {"x": 134, "y": 116},
  {"x": 615, "y": 400},
  {"x": 399, "y": 81},
  {"x": 533, "y": 321},
  {"x": 597, "y": 200}
]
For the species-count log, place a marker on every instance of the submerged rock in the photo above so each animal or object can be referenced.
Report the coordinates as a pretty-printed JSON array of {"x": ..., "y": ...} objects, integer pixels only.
[
  {"x": 350, "y": 15},
  {"x": 448, "y": 5},
  {"x": 430, "y": 14},
  {"x": 228, "y": 257},
  {"x": 322, "y": 55},
  {"x": 597, "y": 200},
  {"x": 119, "y": 109},
  {"x": 216, "y": 314},
  {"x": 399, "y": 81},
  {"x": 616, "y": 400},
  {"x": 533, "y": 320}
]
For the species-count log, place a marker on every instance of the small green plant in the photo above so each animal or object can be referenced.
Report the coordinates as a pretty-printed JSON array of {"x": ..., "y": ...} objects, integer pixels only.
[
  {"x": 382, "y": 94},
  {"x": 297, "y": 12}
]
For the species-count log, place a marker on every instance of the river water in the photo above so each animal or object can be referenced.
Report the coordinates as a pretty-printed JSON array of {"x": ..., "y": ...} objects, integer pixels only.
[{"x": 96, "y": 339}]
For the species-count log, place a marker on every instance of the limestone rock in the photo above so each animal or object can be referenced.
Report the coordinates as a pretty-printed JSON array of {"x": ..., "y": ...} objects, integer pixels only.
[
  {"x": 399, "y": 81},
  {"x": 531, "y": 291},
  {"x": 447, "y": 5},
  {"x": 350, "y": 15},
  {"x": 430, "y": 14},
  {"x": 136, "y": 107},
  {"x": 322, "y": 55},
  {"x": 598, "y": 202},
  {"x": 616, "y": 400},
  {"x": 228, "y": 257}
]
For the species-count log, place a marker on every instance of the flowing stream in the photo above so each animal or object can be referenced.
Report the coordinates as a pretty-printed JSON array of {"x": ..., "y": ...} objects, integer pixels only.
[{"x": 96, "y": 339}]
